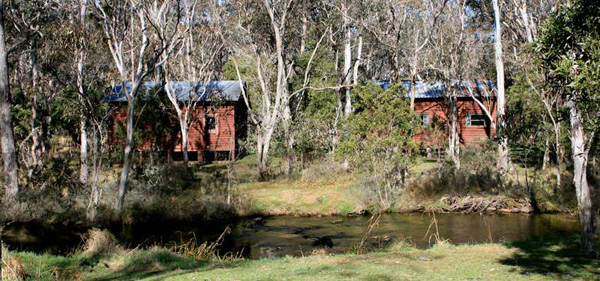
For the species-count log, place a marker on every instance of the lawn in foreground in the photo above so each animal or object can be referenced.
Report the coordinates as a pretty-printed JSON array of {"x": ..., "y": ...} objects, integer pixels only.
[{"x": 536, "y": 259}]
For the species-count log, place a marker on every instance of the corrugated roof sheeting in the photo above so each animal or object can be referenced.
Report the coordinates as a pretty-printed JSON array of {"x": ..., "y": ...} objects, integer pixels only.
[
  {"x": 185, "y": 90},
  {"x": 435, "y": 89}
]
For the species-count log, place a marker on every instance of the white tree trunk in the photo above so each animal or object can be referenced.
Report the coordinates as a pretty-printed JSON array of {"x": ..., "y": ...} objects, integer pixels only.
[
  {"x": 587, "y": 216},
  {"x": 546, "y": 159},
  {"x": 557, "y": 144},
  {"x": 9, "y": 155},
  {"x": 304, "y": 34},
  {"x": 83, "y": 146},
  {"x": 501, "y": 101},
  {"x": 358, "y": 58},
  {"x": 347, "y": 60},
  {"x": 127, "y": 155},
  {"x": 83, "y": 150},
  {"x": 454, "y": 139},
  {"x": 96, "y": 163},
  {"x": 184, "y": 142},
  {"x": 263, "y": 142}
]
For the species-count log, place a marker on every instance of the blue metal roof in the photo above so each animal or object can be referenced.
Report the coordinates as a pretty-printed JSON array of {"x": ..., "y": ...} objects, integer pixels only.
[
  {"x": 435, "y": 89},
  {"x": 186, "y": 90}
]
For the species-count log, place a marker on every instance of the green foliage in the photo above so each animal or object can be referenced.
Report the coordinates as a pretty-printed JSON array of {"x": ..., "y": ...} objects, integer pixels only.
[
  {"x": 318, "y": 119},
  {"x": 381, "y": 129},
  {"x": 524, "y": 110},
  {"x": 569, "y": 48},
  {"x": 380, "y": 142}
]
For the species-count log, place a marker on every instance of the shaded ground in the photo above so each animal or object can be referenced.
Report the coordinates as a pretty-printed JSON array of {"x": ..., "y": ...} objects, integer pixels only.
[{"x": 560, "y": 256}]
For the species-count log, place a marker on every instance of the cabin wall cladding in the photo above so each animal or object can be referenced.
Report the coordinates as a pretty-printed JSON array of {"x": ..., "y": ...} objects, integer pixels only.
[
  {"x": 468, "y": 110},
  {"x": 473, "y": 124},
  {"x": 217, "y": 121}
]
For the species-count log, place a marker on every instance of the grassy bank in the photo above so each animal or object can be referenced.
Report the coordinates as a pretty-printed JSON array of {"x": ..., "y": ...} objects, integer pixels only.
[
  {"x": 173, "y": 193},
  {"x": 539, "y": 259},
  {"x": 325, "y": 188}
]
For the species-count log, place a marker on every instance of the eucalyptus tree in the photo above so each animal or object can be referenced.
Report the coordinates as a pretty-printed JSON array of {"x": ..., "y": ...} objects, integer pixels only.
[
  {"x": 81, "y": 55},
  {"x": 262, "y": 41},
  {"x": 500, "y": 95},
  {"x": 196, "y": 61},
  {"x": 9, "y": 154},
  {"x": 569, "y": 47},
  {"x": 424, "y": 24},
  {"x": 447, "y": 60},
  {"x": 136, "y": 50}
]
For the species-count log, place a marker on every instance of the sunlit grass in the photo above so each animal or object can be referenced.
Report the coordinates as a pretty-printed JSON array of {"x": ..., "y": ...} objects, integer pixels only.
[
  {"x": 518, "y": 261},
  {"x": 320, "y": 197}
]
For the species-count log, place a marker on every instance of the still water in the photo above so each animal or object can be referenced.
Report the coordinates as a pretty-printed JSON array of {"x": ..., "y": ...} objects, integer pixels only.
[{"x": 285, "y": 235}]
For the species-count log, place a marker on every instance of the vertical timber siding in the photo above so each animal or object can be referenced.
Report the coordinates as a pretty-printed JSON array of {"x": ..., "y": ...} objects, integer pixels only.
[{"x": 437, "y": 111}]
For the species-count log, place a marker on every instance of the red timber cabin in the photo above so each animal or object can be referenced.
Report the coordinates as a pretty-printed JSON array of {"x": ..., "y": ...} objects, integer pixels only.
[
  {"x": 218, "y": 121},
  {"x": 432, "y": 101}
]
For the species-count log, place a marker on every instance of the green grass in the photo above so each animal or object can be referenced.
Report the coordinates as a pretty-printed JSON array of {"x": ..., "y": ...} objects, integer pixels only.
[
  {"x": 327, "y": 194},
  {"x": 538, "y": 259},
  {"x": 323, "y": 190},
  {"x": 297, "y": 197}
]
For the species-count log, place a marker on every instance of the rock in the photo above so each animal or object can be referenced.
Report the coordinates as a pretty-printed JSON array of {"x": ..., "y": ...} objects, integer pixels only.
[
  {"x": 504, "y": 211},
  {"x": 491, "y": 209},
  {"x": 358, "y": 213},
  {"x": 515, "y": 210},
  {"x": 258, "y": 221},
  {"x": 527, "y": 210},
  {"x": 424, "y": 259},
  {"x": 324, "y": 241}
]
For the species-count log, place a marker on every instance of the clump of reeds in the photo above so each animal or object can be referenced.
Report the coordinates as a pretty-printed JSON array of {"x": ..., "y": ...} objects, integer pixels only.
[
  {"x": 372, "y": 224},
  {"x": 401, "y": 245},
  {"x": 435, "y": 237},
  {"x": 206, "y": 250},
  {"x": 100, "y": 242}
]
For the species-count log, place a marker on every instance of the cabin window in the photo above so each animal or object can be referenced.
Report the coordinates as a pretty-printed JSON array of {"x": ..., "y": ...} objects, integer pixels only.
[
  {"x": 211, "y": 123},
  {"x": 424, "y": 119},
  {"x": 476, "y": 120}
]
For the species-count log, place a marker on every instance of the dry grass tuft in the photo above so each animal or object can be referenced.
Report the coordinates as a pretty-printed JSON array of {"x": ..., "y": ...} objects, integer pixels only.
[
  {"x": 13, "y": 269},
  {"x": 435, "y": 237},
  {"x": 100, "y": 242},
  {"x": 204, "y": 251},
  {"x": 319, "y": 252}
]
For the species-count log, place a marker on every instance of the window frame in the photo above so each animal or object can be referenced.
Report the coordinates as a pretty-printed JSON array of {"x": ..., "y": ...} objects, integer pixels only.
[
  {"x": 469, "y": 120},
  {"x": 216, "y": 128},
  {"x": 425, "y": 122}
]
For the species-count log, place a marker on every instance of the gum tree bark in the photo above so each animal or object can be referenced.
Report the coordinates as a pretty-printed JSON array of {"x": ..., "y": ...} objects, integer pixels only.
[
  {"x": 453, "y": 138},
  {"x": 500, "y": 101},
  {"x": 9, "y": 155},
  {"x": 587, "y": 216},
  {"x": 83, "y": 145},
  {"x": 347, "y": 59}
]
